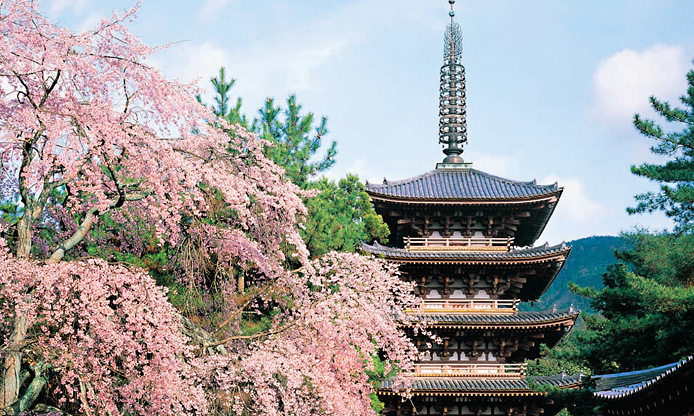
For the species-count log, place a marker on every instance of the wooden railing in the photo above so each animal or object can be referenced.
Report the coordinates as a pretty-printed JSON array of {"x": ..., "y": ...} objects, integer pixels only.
[
  {"x": 470, "y": 370},
  {"x": 457, "y": 244},
  {"x": 468, "y": 305}
]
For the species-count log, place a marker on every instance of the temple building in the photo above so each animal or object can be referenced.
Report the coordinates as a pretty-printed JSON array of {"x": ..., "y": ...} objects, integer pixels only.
[
  {"x": 465, "y": 237},
  {"x": 665, "y": 390}
]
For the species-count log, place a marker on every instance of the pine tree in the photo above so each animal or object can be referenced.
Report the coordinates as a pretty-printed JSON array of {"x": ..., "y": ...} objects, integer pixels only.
[
  {"x": 676, "y": 176},
  {"x": 340, "y": 216}
]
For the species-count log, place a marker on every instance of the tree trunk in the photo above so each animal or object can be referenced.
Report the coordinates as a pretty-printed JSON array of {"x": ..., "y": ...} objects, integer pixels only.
[
  {"x": 24, "y": 234},
  {"x": 13, "y": 360},
  {"x": 13, "y": 363}
]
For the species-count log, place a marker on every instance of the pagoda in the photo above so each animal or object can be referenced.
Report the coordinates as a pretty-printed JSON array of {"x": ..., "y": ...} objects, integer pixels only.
[{"x": 465, "y": 238}]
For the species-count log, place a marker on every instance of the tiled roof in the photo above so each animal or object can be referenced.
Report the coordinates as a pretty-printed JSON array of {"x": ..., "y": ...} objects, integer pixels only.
[
  {"x": 624, "y": 385},
  {"x": 460, "y": 184},
  {"x": 531, "y": 318},
  {"x": 466, "y": 385},
  {"x": 490, "y": 256}
]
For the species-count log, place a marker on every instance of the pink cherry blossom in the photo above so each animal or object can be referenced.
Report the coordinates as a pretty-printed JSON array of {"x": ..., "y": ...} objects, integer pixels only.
[{"x": 84, "y": 115}]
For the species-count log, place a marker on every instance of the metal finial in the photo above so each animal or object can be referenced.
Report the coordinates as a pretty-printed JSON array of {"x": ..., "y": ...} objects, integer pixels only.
[{"x": 452, "y": 111}]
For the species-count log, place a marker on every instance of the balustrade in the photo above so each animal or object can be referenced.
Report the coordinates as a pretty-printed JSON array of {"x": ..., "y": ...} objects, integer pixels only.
[
  {"x": 458, "y": 243},
  {"x": 476, "y": 370},
  {"x": 468, "y": 305}
]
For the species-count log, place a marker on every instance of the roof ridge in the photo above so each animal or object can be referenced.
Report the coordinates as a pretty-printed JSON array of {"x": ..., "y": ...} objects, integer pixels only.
[{"x": 512, "y": 181}]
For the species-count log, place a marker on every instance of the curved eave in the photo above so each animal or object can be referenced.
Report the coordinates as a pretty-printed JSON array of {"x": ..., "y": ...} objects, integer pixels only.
[
  {"x": 554, "y": 257},
  {"x": 682, "y": 370},
  {"x": 568, "y": 320},
  {"x": 524, "y": 256},
  {"x": 472, "y": 393},
  {"x": 550, "y": 197},
  {"x": 484, "y": 387}
]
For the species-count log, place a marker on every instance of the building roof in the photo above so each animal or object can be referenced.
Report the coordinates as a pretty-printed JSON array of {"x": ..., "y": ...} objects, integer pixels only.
[
  {"x": 623, "y": 385},
  {"x": 466, "y": 386},
  {"x": 538, "y": 253},
  {"x": 476, "y": 320},
  {"x": 461, "y": 185},
  {"x": 526, "y": 258}
]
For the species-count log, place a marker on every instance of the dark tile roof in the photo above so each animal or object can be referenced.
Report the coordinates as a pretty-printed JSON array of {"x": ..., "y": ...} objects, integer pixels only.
[
  {"x": 532, "y": 318},
  {"x": 513, "y": 255},
  {"x": 624, "y": 385},
  {"x": 465, "y": 385},
  {"x": 460, "y": 184}
]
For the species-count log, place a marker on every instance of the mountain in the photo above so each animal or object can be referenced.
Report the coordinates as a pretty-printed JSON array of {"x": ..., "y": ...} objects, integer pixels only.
[{"x": 587, "y": 262}]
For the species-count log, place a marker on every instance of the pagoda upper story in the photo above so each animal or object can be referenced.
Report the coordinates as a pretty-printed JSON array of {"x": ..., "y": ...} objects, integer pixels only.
[{"x": 464, "y": 202}]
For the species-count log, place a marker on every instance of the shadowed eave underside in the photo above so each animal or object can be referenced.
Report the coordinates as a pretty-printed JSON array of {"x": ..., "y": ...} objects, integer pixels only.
[
  {"x": 520, "y": 320},
  {"x": 447, "y": 386}
]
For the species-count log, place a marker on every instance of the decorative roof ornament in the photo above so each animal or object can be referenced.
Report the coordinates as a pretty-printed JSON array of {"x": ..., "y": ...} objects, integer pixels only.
[{"x": 452, "y": 111}]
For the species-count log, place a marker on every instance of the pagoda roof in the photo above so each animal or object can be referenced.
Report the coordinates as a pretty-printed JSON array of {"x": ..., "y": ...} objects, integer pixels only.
[
  {"x": 632, "y": 383},
  {"x": 485, "y": 321},
  {"x": 531, "y": 254},
  {"x": 535, "y": 286},
  {"x": 461, "y": 185},
  {"x": 469, "y": 387}
]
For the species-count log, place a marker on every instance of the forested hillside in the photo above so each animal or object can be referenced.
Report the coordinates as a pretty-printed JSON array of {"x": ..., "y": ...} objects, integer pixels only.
[{"x": 589, "y": 258}]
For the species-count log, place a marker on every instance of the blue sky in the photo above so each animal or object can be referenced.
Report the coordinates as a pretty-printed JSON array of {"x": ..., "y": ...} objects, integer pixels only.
[{"x": 552, "y": 85}]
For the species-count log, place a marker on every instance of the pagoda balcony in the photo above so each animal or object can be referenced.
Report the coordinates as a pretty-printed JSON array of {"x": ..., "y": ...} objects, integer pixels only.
[
  {"x": 458, "y": 243},
  {"x": 486, "y": 370},
  {"x": 485, "y": 306}
]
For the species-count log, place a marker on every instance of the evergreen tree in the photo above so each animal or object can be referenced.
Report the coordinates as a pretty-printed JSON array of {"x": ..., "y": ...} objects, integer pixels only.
[
  {"x": 676, "y": 176},
  {"x": 340, "y": 216},
  {"x": 295, "y": 146},
  {"x": 646, "y": 307}
]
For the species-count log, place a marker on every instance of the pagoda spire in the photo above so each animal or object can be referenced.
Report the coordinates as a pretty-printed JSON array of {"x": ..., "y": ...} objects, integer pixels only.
[{"x": 452, "y": 122}]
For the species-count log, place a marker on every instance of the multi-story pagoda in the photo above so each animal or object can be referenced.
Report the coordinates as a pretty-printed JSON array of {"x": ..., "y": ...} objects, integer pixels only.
[{"x": 466, "y": 239}]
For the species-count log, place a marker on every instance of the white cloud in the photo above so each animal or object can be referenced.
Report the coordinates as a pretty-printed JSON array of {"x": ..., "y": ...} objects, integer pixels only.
[
  {"x": 504, "y": 166},
  {"x": 293, "y": 59},
  {"x": 212, "y": 8},
  {"x": 58, "y": 6},
  {"x": 90, "y": 22},
  {"x": 357, "y": 167},
  {"x": 575, "y": 205},
  {"x": 623, "y": 82},
  {"x": 189, "y": 62}
]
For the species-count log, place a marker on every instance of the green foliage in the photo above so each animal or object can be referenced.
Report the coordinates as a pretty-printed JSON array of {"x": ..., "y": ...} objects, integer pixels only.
[
  {"x": 645, "y": 311},
  {"x": 665, "y": 257},
  {"x": 222, "y": 87},
  {"x": 289, "y": 133},
  {"x": 10, "y": 210},
  {"x": 588, "y": 261},
  {"x": 676, "y": 176},
  {"x": 559, "y": 359},
  {"x": 340, "y": 217},
  {"x": 294, "y": 146},
  {"x": 576, "y": 402}
]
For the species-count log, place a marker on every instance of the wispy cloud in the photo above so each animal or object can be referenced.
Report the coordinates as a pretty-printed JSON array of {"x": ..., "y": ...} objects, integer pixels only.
[
  {"x": 58, "y": 6},
  {"x": 212, "y": 8},
  {"x": 576, "y": 205},
  {"x": 623, "y": 82},
  {"x": 504, "y": 166}
]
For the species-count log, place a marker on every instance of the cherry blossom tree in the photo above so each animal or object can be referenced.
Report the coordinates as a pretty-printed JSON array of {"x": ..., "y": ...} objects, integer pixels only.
[{"x": 88, "y": 129}]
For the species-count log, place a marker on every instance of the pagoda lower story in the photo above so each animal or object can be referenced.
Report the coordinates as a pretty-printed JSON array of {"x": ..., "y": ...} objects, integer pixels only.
[{"x": 476, "y": 396}]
